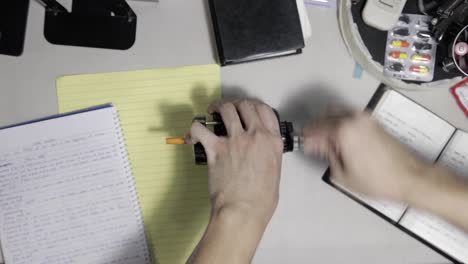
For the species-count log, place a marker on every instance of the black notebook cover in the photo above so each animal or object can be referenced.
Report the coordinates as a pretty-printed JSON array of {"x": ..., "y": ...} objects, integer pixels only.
[{"x": 255, "y": 29}]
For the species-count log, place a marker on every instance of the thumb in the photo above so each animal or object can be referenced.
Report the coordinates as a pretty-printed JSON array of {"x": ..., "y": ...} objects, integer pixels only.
[{"x": 337, "y": 167}]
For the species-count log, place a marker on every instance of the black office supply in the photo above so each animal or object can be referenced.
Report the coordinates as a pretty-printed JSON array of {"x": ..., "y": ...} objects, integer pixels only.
[
  {"x": 13, "y": 20},
  {"x": 291, "y": 141},
  {"x": 249, "y": 30},
  {"x": 109, "y": 24}
]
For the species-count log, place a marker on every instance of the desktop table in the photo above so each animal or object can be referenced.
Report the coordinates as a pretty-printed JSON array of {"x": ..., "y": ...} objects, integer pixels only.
[{"x": 314, "y": 223}]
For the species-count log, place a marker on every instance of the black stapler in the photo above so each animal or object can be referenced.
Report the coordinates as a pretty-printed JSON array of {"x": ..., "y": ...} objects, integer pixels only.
[{"x": 109, "y": 24}]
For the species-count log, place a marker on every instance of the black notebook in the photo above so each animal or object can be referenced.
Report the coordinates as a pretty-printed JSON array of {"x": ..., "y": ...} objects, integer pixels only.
[
  {"x": 436, "y": 141},
  {"x": 249, "y": 30}
]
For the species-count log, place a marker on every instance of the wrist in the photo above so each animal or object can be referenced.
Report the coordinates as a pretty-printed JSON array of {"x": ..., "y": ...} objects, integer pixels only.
[
  {"x": 240, "y": 215},
  {"x": 242, "y": 209},
  {"x": 431, "y": 185},
  {"x": 231, "y": 233},
  {"x": 419, "y": 181}
]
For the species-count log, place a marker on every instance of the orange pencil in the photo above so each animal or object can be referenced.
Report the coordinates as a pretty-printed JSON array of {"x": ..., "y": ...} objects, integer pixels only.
[{"x": 176, "y": 141}]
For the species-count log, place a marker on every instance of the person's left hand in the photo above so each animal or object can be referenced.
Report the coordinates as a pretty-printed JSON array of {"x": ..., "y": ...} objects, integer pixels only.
[
  {"x": 244, "y": 174},
  {"x": 243, "y": 167}
]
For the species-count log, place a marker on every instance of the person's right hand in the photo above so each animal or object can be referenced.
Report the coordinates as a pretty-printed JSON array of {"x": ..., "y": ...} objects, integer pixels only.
[{"x": 363, "y": 157}]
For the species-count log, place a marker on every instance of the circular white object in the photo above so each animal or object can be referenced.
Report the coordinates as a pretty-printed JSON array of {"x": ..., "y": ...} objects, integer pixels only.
[
  {"x": 359, "y": 52},
  {"x": 461, "y": 49}
]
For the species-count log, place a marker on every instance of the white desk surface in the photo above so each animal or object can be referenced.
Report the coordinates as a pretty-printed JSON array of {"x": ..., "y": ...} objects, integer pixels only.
[{"x": 313, "y": 223}]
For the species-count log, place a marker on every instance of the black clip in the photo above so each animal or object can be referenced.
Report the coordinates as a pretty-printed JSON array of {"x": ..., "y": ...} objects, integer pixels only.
[{"x": 109, "y": 24}]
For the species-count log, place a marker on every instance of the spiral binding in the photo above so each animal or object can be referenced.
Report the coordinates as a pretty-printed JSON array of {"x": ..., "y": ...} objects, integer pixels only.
[{"x": 131, "y": 182}]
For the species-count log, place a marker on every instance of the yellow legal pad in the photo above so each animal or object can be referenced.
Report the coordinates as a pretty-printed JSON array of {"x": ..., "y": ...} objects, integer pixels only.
[{"x": 153, "y": 105}]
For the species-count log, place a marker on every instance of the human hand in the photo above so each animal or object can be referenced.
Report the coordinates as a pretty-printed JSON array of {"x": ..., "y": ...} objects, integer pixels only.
[
  {"x": 244, "y": 174},
  {"x": 363, "y": 157},
  {"x": 243, "y": 167}
]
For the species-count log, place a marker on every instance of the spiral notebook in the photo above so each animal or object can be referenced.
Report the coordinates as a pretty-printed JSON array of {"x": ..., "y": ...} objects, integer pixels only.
[{"x": 67, "y": 194}]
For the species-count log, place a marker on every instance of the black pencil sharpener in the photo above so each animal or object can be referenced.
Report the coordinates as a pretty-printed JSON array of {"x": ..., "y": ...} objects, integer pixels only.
[{"x": 286, "y": 129}]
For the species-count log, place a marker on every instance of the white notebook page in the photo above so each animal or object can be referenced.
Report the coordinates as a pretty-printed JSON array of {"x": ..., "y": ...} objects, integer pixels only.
[
  {"x": 418, "y": 128},
  {"x": 435, "y": 230},
  {"x": 67, "y": 194}
]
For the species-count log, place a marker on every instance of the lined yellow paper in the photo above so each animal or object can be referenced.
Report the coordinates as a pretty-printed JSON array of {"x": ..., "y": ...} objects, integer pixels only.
[{"x": 153, "y": 105}]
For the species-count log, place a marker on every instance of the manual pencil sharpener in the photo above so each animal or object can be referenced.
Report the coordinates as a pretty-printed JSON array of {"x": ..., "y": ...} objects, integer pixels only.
[{"x": 291, "y": 141}]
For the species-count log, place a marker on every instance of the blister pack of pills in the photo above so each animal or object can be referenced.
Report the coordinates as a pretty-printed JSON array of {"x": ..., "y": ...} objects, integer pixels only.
[{"x": 411, "y": 50}]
